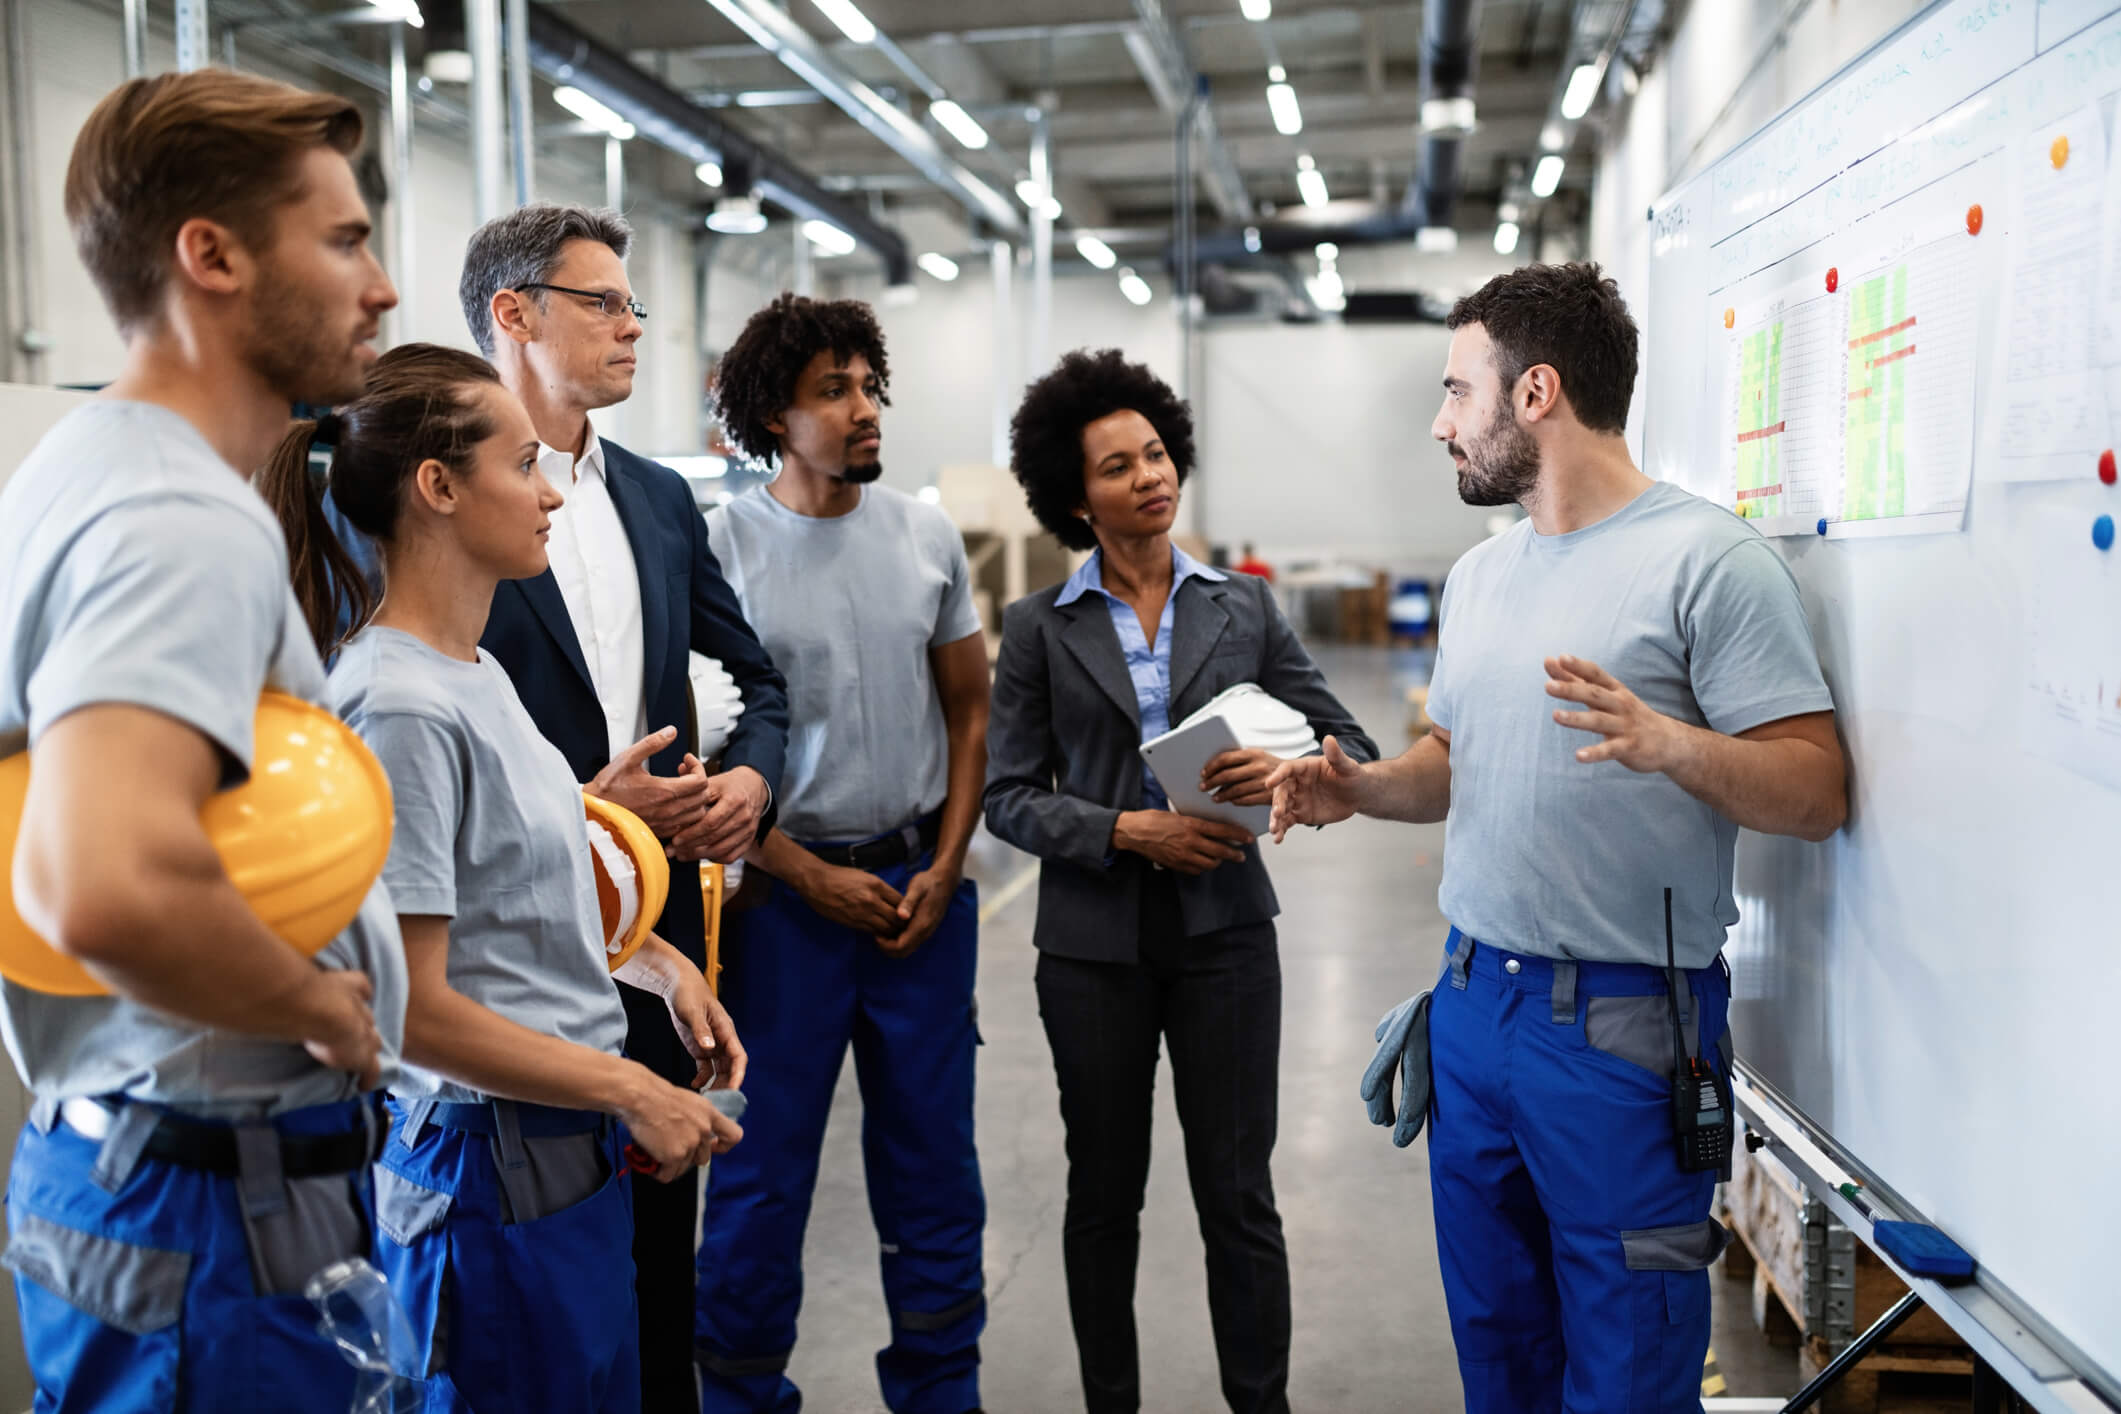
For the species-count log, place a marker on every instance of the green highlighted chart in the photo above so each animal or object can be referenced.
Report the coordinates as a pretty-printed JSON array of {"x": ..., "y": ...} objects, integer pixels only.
[
  {"x": 1781, "y": 441},
  {"x": 1882, "y": 335},
  {"x": 1759, "y": 439}
]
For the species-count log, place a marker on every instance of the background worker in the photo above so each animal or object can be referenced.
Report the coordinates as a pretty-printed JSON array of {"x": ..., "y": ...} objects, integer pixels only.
[
  {"x": 869, "y": 934},
  {"x": 598, "y": 648},
  {"x": 1679, "y": 698},
  {"x": 515, "y": 1104},
  {"x": 198, "y": 1147}
]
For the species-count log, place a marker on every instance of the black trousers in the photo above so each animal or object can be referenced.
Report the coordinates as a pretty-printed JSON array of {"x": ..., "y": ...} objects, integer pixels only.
[
  {"x": 665, "y": 1230},
  {"x": 1217, "y": 999}
]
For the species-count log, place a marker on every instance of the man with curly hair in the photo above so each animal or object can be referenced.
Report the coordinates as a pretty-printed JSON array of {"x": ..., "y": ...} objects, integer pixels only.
[{"x": 869, "y": 932}]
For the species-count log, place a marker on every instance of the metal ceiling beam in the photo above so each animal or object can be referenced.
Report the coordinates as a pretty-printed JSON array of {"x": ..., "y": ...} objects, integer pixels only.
[
  {"x": 1168, "y": 68},
  {"x": 565, "y": 54},
  {"x": 809, "y": 59}
]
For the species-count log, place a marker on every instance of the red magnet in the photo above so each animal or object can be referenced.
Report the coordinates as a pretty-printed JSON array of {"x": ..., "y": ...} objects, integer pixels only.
[
  {"x": 2106, "y": 466},
  {"x": 1833, "y": 278},
  {"x": 1973, "y": 219}
]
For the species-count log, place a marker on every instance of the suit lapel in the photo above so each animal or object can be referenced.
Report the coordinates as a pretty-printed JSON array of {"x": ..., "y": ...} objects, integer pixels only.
[
  {"x": 638, "y": 518},
  {"x": 1095, "y": 643},
  {"x": 1195, "y": 627},
  {"x": 543, "y": 592}
]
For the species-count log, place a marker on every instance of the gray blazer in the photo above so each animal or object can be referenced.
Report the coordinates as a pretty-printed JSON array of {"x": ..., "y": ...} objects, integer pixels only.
[{"x": 1063, "y": 762}]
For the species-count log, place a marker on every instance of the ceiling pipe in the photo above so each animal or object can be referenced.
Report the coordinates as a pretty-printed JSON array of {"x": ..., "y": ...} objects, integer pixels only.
[
  {"x": 660, "y": 113},
  {"x": 1450, "y": 59},
  {"x": 812, "y": 61},
  {"x": 1159, "y": 51}
]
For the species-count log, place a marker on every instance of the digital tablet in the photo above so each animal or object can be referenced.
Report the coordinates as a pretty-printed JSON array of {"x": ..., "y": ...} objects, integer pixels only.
[{"x": 1177, "y": 758}]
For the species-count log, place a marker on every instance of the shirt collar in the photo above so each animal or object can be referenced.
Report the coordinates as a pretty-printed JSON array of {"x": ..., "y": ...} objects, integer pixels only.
[
  {"x": 1087, "y": 576},
  {"x": 591, "y": 464}
]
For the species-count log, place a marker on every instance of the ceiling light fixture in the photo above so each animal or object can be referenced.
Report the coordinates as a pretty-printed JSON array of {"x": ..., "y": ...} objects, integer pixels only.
[
  {"x": 1312, "y": 183},
  {"x": 1036, "y": 197},
  {"x": 605, "y": 120},
  {"x": 1134, "y": 287},
  {"x": 737, "y": 216},
  {"x": 1547, "y": 176},
  {"x": 958, "y": 123},
  {"x": 850, "y": 21},
  {"x": 1447, "y": 115},
  {"x": 1281, "y": 102},
  {"x": 406, "y": 10},
  {"x": 1255, "y": 10},
  {"x": 709, "y": 173},
  {"x": 1096, "y": 252},
  {"x": 1506, "y": 238},
  {"x": 447, "y": 66},
  {"x": 1583, "y": 88},
  {"x": 828, "y": 238},
  {"x": 1552, "y": 138},
  {"x": 942, "y": 267},
  {"x": 1436, "y": 240}
]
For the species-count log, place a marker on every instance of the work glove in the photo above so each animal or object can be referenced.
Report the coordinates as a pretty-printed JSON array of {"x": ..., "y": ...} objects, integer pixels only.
[{"x": 1403, "y": 1046}]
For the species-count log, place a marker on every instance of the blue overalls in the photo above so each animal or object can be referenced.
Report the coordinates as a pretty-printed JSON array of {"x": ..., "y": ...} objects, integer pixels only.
[
  {"x": 799, "y": 989},
  {"x": 134, "y": 1274},
  {"x": 536, "y": 1314},
  {"x": 1573, "y": 1247}
]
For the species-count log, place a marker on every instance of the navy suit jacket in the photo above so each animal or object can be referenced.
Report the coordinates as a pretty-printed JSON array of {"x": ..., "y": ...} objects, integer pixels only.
[{"x": 686, "y": 604}]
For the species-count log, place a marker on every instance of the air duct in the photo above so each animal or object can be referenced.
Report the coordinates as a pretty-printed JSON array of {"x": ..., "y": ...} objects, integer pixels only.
[
  {"x": 1450, "y": 58},
  {"x": 664, "y": 116}
]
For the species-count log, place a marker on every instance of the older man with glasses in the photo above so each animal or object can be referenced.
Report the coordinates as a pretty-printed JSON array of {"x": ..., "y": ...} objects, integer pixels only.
[{"x": 598, "y": 648}]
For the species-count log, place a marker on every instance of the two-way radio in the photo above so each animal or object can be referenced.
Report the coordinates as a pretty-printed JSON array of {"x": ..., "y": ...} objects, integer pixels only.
[{"x": 1701, "y": 1098}]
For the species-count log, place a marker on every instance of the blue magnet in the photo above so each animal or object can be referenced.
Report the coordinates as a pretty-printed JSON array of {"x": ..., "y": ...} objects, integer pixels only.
[
  {"x": 1822, "y": 525},
  {"x": 2103, "y": 532}
]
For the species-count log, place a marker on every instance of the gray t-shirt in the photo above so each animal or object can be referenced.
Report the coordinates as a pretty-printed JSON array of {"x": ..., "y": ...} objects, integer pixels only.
[
  {"x": 1686, "y": 605},
  {"x": 490, "y": 834},
  {"x": 849, "y": 608},
  {"x": 137, "y": 567}
]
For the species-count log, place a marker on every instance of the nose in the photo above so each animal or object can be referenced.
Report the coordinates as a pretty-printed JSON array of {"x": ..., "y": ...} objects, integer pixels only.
[
  {"x": 865, "y": 409},
  {"x": 1443, "y": 429},
  {"x": 382, "y": 293},
  {"x": 549, "y": 496}
]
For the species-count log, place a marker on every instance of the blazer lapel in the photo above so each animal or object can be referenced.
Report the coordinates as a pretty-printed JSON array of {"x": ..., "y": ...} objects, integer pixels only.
[
  {"x": 1196, "y": 626},
  {"x": 543, "y": 592},
  {"x": 1095, "y": 643},
  {"x": 638, "y": 518}
]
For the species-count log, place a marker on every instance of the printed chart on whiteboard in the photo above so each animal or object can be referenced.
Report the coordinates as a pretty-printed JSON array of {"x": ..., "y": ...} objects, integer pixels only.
[{"x": 1781, "y": 444}]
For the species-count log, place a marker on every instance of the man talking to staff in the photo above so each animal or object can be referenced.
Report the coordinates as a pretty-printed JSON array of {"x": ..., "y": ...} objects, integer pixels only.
[{"x": 1594, "y": 799}]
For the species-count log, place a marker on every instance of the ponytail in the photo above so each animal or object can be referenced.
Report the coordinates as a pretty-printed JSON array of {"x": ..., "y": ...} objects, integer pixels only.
[{"x": 329, "y": 583}]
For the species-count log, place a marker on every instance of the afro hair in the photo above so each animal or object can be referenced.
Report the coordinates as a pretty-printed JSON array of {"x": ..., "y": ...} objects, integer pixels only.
[
  {"x": 1046, "y": 436},
  {"x": 755, "y": 381}
]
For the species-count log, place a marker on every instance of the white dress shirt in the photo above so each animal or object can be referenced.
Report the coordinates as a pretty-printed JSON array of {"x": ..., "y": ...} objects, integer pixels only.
[{"x": 593, "y": 561}]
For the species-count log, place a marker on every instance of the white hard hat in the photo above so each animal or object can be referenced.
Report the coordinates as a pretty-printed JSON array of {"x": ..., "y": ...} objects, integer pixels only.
[
  {"x": 717, "y": 702},
  {"x": 1261, "y": 721}
]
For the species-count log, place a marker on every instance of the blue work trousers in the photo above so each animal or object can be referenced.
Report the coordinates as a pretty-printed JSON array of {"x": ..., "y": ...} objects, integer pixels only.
[
  {"x": 1573, "y": 1246},
  {"x": 801, "y": 988},
  {"x": 137, "y": 1294},
  {"x": 512, "y": 1316}
]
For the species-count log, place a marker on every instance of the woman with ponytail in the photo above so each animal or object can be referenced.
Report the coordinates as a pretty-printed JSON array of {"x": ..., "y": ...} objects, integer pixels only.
[{"x": 500, "y": 1184}]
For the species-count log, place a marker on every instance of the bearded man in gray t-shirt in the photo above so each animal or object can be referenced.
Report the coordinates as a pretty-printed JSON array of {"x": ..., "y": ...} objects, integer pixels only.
[{"x": 1623, "y": 679}]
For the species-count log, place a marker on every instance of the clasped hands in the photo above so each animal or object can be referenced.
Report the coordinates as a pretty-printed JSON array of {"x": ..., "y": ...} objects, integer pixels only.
[{"x": 695, "y": 815}]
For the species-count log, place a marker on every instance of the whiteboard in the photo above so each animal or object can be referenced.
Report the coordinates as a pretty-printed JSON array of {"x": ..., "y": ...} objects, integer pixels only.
[{"x": 1938, "y": 987}]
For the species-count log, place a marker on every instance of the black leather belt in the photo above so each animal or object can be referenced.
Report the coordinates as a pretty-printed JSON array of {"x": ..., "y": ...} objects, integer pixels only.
[
  {"x": 212, "y": 1147},
  {"x": 885, "y": 850}
]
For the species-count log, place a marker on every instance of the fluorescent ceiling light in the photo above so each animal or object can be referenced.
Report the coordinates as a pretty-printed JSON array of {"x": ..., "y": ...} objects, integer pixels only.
[
  {"x": 1327, "y": 252},
  {"x": 1509, "y": 212},
  {"x": 958, "y": 123},
  {"x": 406, "y": 10},
  {"x": 1312, "y": 183},
  {"x": 1436, "y": 240},
  {"x": 709, "y": 173},
  {"x": 1281, "y": 102},
  {"x": 589, "y": 110},
  {"x": 447, "y": 65},
  {"x": 1547, "y": 176},
  {"x": 1277, "y": 74},
  {"x": 1552, "y": 138},
  {"x": 1328, "y": 291},
  {"x": 698, "y": 468},
  {"x": 1134, "y": 287},
  {"x": 1255, "y": 10},
  {"x": 1447, "y": 115},
  {"x": 828, "y": 238},
  {"x": 1033, "y": 195},
  {"x": 901, "y": 295},
  {"x": 1583, "y": 87},
  {"x": 737, "y": 216},
  {"x": 1096, "y": 252},
  {"x": 1506, "y": 238},
  {"x": 1252, "y": 239},
  {"x": 852, "y": 22},
  {"x": 942, "y": 267}
]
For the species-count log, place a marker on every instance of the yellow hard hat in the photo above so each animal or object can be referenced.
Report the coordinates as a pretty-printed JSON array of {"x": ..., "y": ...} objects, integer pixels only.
[
  {"x": 303, "y": 839},
  {"x": 633, "y": 877}
]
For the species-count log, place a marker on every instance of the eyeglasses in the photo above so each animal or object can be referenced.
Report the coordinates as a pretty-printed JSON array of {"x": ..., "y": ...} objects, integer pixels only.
[{"x": 611, "y": 302}]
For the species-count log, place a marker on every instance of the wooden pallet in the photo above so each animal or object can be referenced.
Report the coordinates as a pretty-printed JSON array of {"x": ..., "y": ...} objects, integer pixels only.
[{"x": 1815, "y": 1286}]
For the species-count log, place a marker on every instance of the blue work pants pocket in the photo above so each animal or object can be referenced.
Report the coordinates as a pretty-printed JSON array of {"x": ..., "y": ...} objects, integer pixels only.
[
  {"x": 412, "y": 1252},
  {"x": 101, "y": 1318},
  {"x": 1668, "y": 1270}
]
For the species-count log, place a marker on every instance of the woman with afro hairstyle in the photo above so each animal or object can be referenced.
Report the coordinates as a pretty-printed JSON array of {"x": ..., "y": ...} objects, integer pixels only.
[{"x": 1152, "y": 926}]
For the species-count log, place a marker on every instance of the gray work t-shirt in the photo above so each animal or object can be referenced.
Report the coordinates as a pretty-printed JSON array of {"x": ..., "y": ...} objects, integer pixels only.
[
  {"x": 490, "y": 834},
  {"x": 137, "y": 567},
  {"x": 1686, "y": 605},
  {"x": 849, "y": 607}
]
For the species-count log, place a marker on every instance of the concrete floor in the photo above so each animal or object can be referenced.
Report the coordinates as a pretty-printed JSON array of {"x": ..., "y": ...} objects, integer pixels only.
[{"x": 1359, "y": 932}]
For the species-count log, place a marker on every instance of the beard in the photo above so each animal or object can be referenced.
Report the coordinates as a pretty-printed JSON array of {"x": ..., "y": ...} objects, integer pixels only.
[
  {"x": 300, "y": 355},
  {"x": 1501, "y": 467},
  {"x": 862, "y": 473}
]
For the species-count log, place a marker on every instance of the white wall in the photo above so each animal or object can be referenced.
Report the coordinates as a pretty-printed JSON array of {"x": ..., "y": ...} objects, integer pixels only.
[{"x": 74, "y": 50}]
